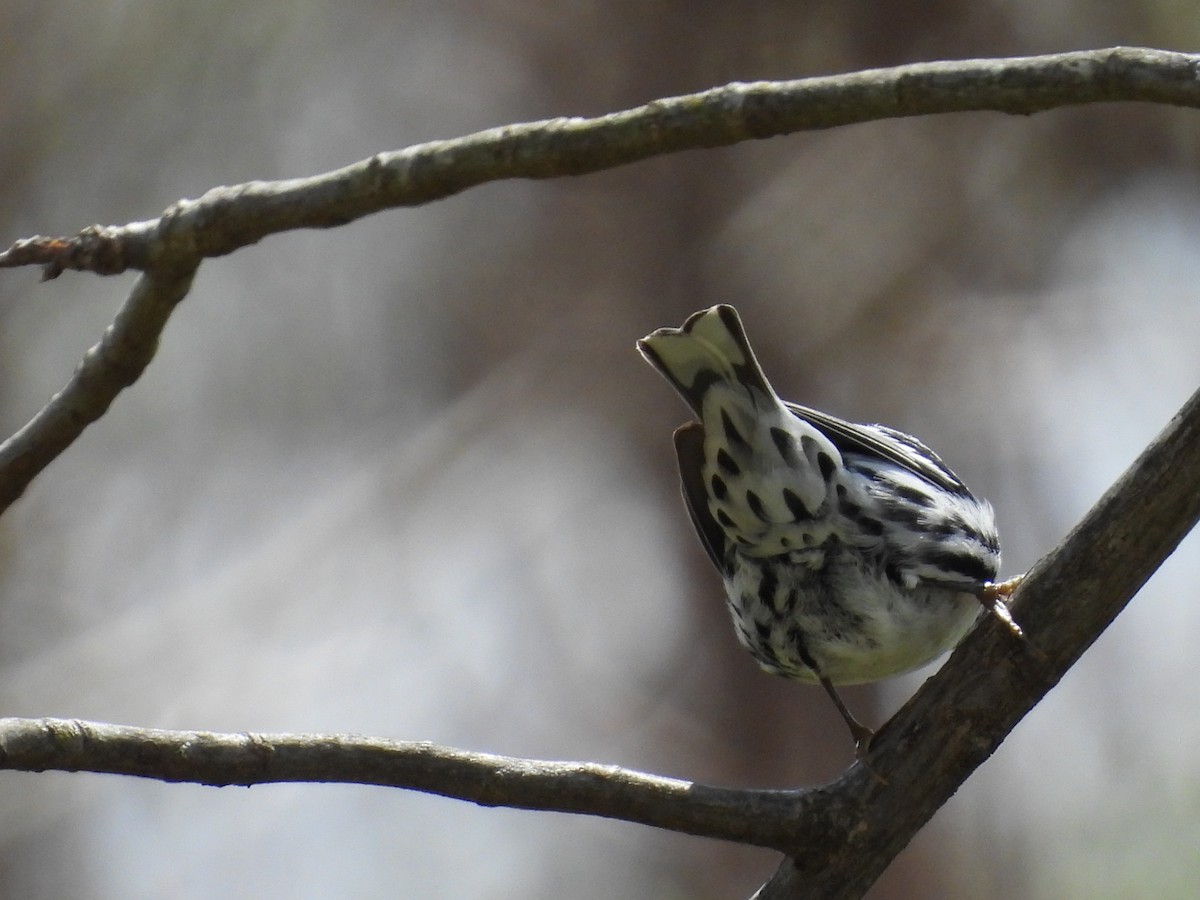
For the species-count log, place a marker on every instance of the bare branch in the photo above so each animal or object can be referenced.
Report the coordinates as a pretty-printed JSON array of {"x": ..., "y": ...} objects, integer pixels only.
[
  {"x": 227, "y": 218},
  {"x": 755, "y": 817},
  {"x": 120, "y": 357}
]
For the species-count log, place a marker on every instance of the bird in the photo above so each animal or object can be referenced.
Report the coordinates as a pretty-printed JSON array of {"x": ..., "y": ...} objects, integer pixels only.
[{"x": 849, "y": 553}]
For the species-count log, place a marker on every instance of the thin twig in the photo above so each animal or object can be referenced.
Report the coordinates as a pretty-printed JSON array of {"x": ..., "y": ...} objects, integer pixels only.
[
  {"x": 754, "y": 817},
  {"x": 114, "y": 363}
]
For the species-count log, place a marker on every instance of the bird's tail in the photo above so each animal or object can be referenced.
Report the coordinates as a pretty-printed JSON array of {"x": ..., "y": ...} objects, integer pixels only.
[{"x": 710, "y": 347}]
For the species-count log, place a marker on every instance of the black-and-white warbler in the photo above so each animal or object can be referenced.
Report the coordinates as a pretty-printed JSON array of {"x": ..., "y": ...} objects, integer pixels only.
[{"x": 850, "y": 553}]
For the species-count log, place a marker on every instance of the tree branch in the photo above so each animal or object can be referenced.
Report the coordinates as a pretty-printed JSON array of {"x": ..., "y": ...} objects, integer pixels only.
[
  {"x": 114, "y": 363},
  {"x": 754, "y": 817},
  {"x": 228, "y": 218}
]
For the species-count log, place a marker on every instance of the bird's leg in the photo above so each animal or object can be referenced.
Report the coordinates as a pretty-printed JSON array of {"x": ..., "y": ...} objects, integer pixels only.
[
  {"x": 994, "y": 598},
  {"x": 858, "y": 731},
  {"x": 861, "y": 733}
]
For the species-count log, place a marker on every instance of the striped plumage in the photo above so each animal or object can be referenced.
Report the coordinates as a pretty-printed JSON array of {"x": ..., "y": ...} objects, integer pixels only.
[{"x": 849, "y": 553}]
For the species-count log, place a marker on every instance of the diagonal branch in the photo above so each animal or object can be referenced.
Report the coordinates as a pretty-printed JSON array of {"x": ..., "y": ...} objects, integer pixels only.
[
  {"x": 114, "y": 363},
  {"x": 961, "y": 715},
  {"x": 228, "y": 218}
]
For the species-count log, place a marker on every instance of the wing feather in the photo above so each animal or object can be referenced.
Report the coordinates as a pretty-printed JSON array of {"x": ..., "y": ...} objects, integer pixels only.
[
  {"x": 689, "y": 448},
  {"x": 884, "y": 443}
]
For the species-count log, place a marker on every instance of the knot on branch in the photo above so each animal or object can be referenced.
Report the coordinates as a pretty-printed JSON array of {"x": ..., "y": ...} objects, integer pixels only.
[{"x": 105, "y": 250}]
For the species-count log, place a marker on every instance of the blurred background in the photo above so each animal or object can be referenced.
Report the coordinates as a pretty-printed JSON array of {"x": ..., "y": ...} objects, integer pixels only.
[{"x": 409, "y": 477}]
